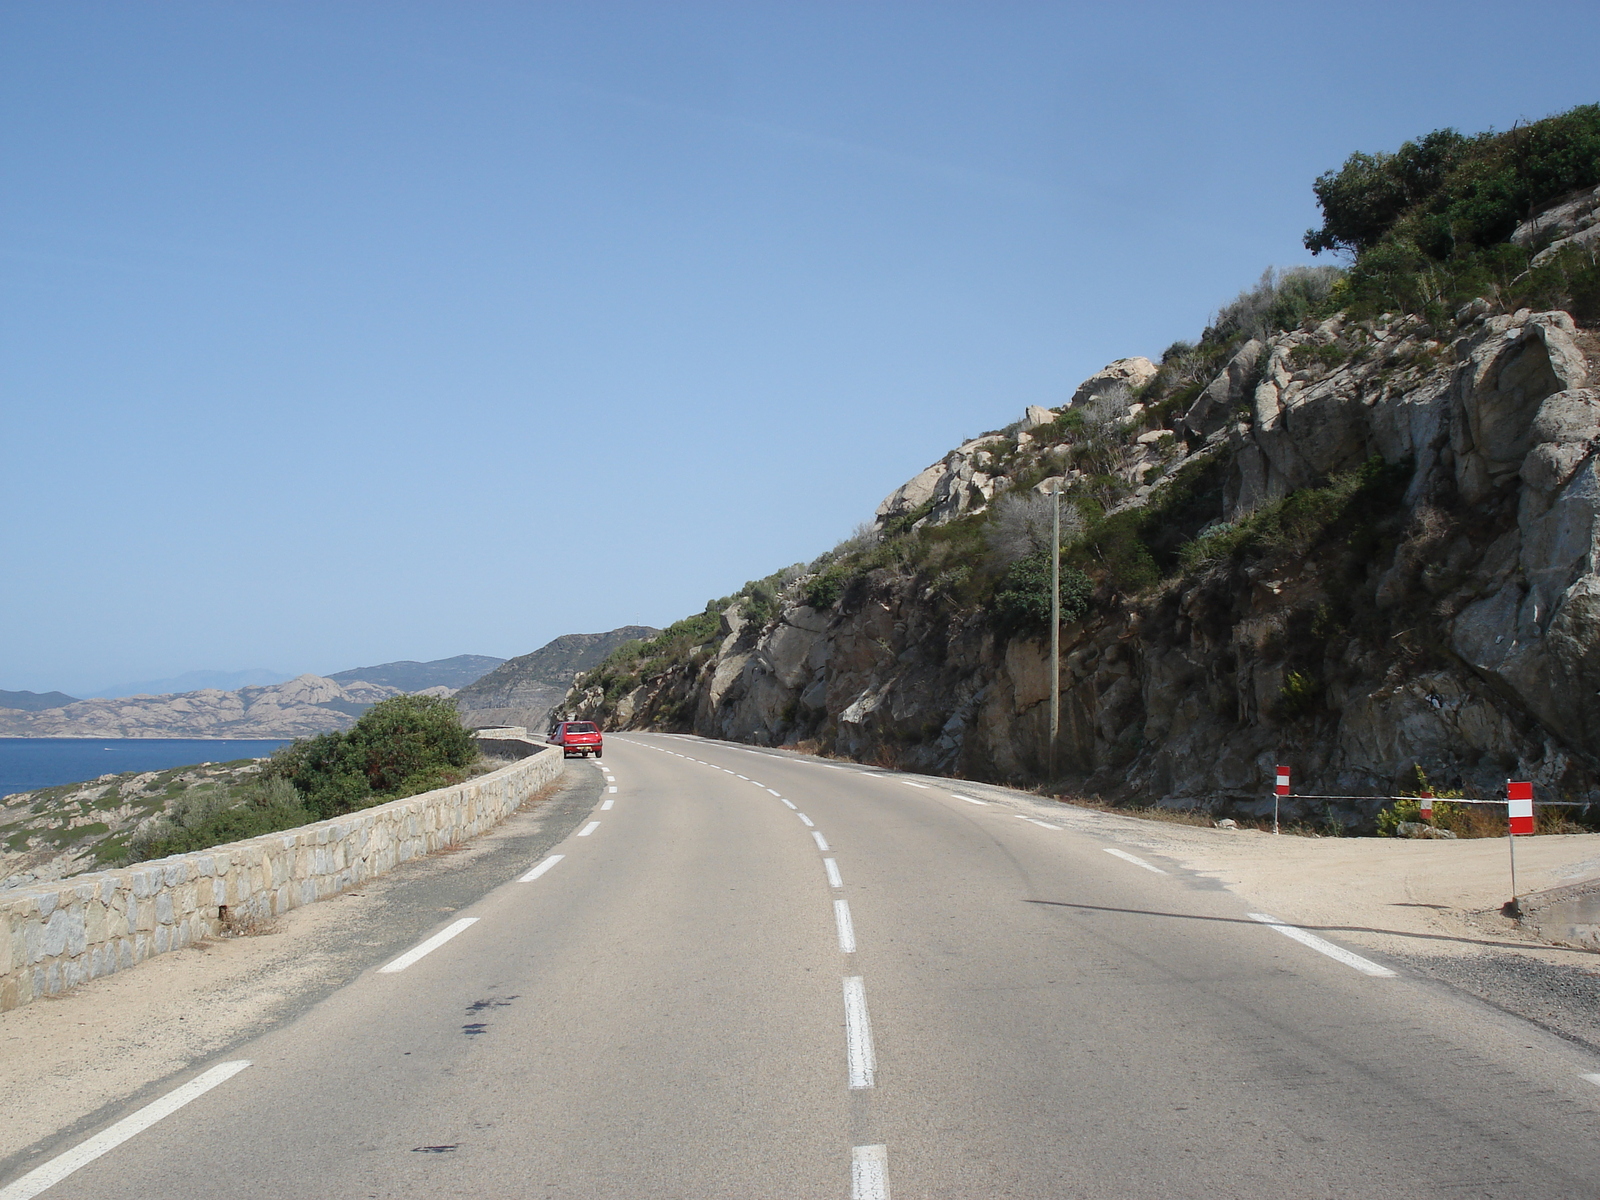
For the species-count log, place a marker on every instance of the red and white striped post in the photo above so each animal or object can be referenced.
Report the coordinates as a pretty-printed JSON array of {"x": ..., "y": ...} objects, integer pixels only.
[
  {"x": 1426, "y": 805},
  {"x": 1519, "y": 822},
  {"x": 1280, "y": 790}
]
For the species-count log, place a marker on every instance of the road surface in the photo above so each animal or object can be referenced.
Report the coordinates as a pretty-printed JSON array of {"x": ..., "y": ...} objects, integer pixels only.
[{"x": 752, "y": 974}]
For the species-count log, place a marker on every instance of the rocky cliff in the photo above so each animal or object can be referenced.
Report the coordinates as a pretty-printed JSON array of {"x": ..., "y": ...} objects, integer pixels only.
[
  {"x": 521, "y": 690},
  {"x": 1354, "y": 546},
  {"x": 303, "y": 706}
]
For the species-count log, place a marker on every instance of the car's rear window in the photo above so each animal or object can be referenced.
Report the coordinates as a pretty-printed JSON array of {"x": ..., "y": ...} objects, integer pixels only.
[{"x": 580, "y": 727}]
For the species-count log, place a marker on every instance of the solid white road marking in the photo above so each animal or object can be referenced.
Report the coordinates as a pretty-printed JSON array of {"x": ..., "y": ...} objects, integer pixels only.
[
  {"x": 847, "y": 929},
  {"x": 822, "y": 842},
  {"x": 832, "y": 868},
  {"x": 968, "y": 799},
  {"x": 869, "y": 1173},
  {"x": 541, "y": 868},
  {"x": 589, "y": 828},
  {"x": 606, "y": 807},
  {"x": 1138, "y": 862},
  {"x": 81, "y": 1155},
  {"x": 789, "y": 803},
  {"x": 427, "y": 947},
  {"x": 908, "y": 783},
  {"x": 1365, "y": 965},
  {"x": 863, "y": 1065}
]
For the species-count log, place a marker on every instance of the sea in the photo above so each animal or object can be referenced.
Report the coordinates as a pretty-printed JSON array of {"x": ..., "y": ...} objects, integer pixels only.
[{"x": 29, "y": 763}]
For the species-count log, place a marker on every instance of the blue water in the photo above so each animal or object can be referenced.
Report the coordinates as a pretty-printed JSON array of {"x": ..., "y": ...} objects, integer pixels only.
[{"x": 28, "y": 763}]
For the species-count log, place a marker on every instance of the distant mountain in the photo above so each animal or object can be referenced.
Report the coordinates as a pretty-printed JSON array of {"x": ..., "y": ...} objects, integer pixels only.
[
  {"x": 307, "y": 705},
  {"x": 194, "y": 681},
  {"x": 35, "y": 701},
  {"x": 520, "y": 691},
  {"x": 410, "y": 676}
]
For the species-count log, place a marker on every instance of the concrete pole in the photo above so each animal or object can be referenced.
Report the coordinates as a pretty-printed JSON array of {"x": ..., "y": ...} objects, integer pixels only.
[{"x": 1055, "y": 630}]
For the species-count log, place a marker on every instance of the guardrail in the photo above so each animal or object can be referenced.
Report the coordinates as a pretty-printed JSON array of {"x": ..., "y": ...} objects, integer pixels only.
[{"x": 55, "y": 936}]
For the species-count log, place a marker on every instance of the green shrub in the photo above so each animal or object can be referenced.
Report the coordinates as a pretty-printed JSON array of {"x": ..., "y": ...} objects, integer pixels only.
[
  {"x": 824, "y": 588},
  {"x": 1300, "y": 694},
  {"x": 207, "y": 819},
  {"x": 391, "y": 749},
  {"x": 1022, "y": 604}
]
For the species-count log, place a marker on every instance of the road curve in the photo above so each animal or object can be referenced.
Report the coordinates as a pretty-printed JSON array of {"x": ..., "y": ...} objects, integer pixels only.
[{"x": 753, "y": 974}]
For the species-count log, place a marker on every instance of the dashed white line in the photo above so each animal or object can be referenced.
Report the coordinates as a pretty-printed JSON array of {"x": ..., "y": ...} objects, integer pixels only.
[
  {"x": 1365, "y": 965},
  {"x": 869, "y": 1173},
  {"x": 427, "y": 947},
  {"x": 822, "y": 842},
  {"x": 1134, "y": 859},
  {"x": 808, "y": 821},
  {"x": 81, "y": 1155},
  {"x": 790, "y": 803},
  {"x": 908, "y": 783},
  {"x": 847, "y": 928},
  {"x": 1036, "y": 821},
  {"x": 606, "y": 807},
  {"x": 589, "y": 828},
  {"x": 832, "y": 868},
  {"x": 862, "y": 1064},
  {"x": 1594, "y": 1079},
  {"x": 541, "y": 868},
  {"x": 968, "y": 799},
  {"x": 770, "y": 790},
  {"x": 746, "y": 778},
  {"x": 611, "y": 789}
]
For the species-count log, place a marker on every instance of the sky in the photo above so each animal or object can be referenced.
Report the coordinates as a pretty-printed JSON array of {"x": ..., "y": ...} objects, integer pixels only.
[{"x": 337, "y": 333}]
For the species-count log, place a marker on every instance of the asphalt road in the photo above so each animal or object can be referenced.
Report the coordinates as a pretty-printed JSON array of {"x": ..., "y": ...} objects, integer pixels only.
[{"x": 757, "y": 975}]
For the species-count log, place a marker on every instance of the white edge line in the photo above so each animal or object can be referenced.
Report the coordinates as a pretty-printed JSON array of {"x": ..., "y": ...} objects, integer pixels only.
[
  {"x": 1594, "y": 1079},
  {"x": 58, "y": 1168},
  {"x": 541, "y": 868},
  {"x": 869, "y": 1173},
  {"x": 427, "y": 947},
  {"x": 1134, "y": 859},
  {"x": 908, "y": 783},
  {"x": 589, "y": 828},
  {"x": 606, "y": 807},
  {"x": 832, "y": 868},
  {"x": 822, "y": 842},
  {"x": 968, "y": 799},
  {"x": 1044, "y": 824},
  {"x": 847, "y": 927},
  {"x": 611, "y": 789},
  {"x": 863, "y": 1065},
  {"x": 1365, "y": 965}
]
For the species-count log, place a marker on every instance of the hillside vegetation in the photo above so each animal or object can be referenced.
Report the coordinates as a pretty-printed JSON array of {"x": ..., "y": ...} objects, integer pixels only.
[
  {"x": 400, "y": 747},
  {"x": 1310, "y": 533}
]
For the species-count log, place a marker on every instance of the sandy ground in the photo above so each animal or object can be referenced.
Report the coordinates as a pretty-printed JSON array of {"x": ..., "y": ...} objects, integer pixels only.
[{"x": 1398, "y": 896}]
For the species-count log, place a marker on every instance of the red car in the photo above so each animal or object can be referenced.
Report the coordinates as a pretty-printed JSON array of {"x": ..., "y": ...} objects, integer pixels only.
[{"x": 576, "y": 737}]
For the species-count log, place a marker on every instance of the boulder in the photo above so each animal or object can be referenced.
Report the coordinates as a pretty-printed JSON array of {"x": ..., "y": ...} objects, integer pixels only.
[
  {"x": 1129, "y": 373},
  {"x": 1034, "y": 416}
]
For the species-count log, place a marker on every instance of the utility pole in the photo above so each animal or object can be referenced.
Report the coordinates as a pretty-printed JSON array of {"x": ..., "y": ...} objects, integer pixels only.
[{"x": 1055, "y": 629}]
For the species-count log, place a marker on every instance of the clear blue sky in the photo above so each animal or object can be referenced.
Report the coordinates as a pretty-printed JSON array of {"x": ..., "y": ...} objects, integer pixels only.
[{"x": 334, "y": 333}]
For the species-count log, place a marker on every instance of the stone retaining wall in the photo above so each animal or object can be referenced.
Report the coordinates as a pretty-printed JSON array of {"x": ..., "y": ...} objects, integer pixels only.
[{"x": 54, "y": 936}]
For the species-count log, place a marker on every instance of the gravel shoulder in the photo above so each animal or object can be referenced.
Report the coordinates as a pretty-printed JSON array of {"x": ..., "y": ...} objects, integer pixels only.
[{"x": 66, "y": 1061}]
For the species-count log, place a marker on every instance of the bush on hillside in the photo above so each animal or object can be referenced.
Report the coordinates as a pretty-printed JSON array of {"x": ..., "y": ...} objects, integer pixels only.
[
  {"x": 399, "y": 747},
  {"x": 1428, "y": 226},
  {"x": 1022, "y": 605},
  {"x": 213, "y": 818}
]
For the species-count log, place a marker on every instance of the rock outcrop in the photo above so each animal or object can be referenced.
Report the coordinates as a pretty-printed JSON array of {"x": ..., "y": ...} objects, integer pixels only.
[
  {"x": 522, "y": 690},
  {"x": 1454, "y": 623}
]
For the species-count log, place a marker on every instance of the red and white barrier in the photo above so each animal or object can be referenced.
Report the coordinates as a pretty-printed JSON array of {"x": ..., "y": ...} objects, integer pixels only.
[
  {"x": 1426, "y": 799},
  {"x": 1283, "y": 781},
  {"x": 1519, "y": 807}
]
